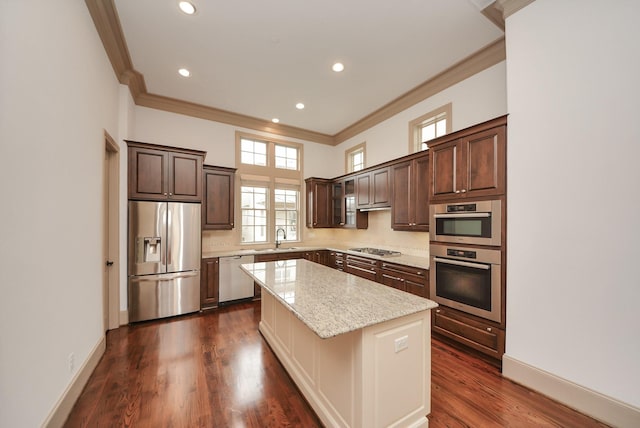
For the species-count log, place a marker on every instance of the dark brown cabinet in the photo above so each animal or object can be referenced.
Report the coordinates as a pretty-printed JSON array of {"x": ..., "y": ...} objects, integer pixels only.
[
  {"x": 318, "y": 202},
  {"x": 406, "y": 278},
  {"x": 317, "y": 256},
  {"x": 410, "y": 194},
  {"x": 469, "y": 163},
  {"x": 336, "y": 260},
  {"x": 361, "y": 266},
  {"x": 373, "y": 189},
  {"x": 161, "y": 173},
  {"x": 468, "y": 330},
  {"x": 209, "y": 283},
  {"x": 343, "y": 205},
  {"x": 218, "y": 201}
]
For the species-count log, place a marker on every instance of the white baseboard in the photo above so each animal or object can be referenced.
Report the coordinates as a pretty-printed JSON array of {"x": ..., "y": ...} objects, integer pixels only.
[
  {"x": 124, "y": 317},
  {"x": 585, "y": 400},
  {"x": 58, "y": 415}
]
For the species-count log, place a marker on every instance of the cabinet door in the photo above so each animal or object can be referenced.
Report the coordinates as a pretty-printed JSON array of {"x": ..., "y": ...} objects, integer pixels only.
[
  {"x": 218, "y": 202},
  {"x": 209, "y": 283},
  {"x": 443, "y": 173},
  {"x": 484, "y": 160},
  {"x": 318, "y": 203},
  {"x": 337, "y": 204},
  {"x": 380, "y": 193},
  {"x": 420, "y": 200},
  {"x": 148, "y": 172},
  {"x": 363, "y": 190},
  {"x": 185, "y": 177},
  {"x": 401, "y": 218}
]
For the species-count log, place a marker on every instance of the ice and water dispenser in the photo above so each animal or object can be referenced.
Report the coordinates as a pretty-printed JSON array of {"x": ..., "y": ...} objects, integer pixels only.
[{"x": 148, "y": 249}]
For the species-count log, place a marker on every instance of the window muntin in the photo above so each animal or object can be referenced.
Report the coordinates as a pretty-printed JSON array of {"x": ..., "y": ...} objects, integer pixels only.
[
  {"x": 286, "y": 157},
  {"x": 286, "y": 208},
  {"x": 432, "y": 125},
  {"x": 355, "y": 158},
  {"x": 432, "y": 128},
  {"x": 253, "y": 152},
  {"x": 278, "y": 172},
  {"x": 254, "y": 214}
]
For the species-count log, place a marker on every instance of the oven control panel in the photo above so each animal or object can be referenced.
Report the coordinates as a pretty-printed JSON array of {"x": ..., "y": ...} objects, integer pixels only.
[{"x": 461, "y": 253}]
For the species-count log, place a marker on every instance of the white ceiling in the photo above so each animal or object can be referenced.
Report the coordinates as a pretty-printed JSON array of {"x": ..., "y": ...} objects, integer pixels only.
[{"x": 259, "y": 58}]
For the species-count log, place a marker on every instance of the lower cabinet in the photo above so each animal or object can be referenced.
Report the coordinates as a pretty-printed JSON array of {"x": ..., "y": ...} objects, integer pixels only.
[
  {"x": 471, "y": 331},
  {"x": 405, "y": 278},
  {"x": 209, "y": 283},
  {"x": 317, "y": 256},
  {"x": 362, "y": 267},
  {"x": 336, "y": 260}
]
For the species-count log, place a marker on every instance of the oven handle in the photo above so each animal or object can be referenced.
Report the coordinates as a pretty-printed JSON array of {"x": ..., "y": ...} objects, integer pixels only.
[
  {"x": 461, "y": 215},
  {"x": 461, "y": 263}
]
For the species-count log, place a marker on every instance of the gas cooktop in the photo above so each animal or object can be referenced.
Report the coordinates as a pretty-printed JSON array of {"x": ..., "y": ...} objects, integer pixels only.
[{"x": 376, "y": 251}]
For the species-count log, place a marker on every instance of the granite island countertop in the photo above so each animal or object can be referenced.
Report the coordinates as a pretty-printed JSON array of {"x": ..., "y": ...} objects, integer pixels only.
[{"x": 331, "y": 302}]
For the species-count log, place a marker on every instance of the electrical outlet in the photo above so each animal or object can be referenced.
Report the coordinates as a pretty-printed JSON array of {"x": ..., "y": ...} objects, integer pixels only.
[
  {"x": 71, "y": 360},
  {"x": 401, "y": 343}
]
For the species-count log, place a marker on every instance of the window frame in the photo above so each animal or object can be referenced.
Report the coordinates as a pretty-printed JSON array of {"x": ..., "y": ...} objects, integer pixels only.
[
  {"x": 416, "y": 125},
  {"x": 349, "y": 156},
  {"x": 272, "y": 178}
]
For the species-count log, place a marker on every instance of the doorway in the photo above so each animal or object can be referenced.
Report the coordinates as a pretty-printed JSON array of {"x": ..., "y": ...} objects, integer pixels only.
[{"x": 111, "y": 226}]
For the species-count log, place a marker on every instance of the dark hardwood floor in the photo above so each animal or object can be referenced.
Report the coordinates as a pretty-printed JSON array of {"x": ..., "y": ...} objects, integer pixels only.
[{"x": 215, "y": 370}]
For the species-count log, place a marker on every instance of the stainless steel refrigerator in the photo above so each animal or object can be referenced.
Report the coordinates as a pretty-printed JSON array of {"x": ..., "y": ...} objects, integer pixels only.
[{"x": 164, "y": 259}]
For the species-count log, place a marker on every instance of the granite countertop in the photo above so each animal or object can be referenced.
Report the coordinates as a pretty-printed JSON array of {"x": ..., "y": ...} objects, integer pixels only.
[
  {"x": 413, "y": 261},
  {"x": 331, "y": 302}
]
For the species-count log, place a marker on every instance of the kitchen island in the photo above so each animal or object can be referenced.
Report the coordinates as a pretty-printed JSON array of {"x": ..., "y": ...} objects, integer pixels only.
[{"x": 359, "y": 351}]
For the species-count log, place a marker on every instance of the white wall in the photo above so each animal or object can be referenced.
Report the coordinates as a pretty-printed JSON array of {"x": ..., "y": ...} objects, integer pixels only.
[
  {"x": 573, "y": 176},
  {"x": 479, "y": 98},
  {"x": 57, "y": 95},
  {"x": 217, "y": 139}
]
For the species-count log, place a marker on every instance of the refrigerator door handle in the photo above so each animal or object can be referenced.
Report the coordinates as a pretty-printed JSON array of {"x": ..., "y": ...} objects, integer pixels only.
[
  {"x": 164, "y": 277},
  {"x": 167, "y": 229}
]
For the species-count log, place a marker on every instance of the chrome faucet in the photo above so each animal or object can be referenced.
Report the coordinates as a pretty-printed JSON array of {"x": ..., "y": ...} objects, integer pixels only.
[{"x": 284, "y": 236}]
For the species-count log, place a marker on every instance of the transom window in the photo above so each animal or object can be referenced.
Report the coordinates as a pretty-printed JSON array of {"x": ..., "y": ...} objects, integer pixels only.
[
  {"x": 429, "y": 126},
  {"x": 253, "y": 152},
  {"x": 270, "y": 180},
  {"x": 355, "y": 158}
]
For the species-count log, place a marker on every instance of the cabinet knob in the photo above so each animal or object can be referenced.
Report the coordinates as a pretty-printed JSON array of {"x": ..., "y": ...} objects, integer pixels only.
[
  {"x": 457, "y": 191},
  {"x": 464, "y": 190},
  {"x": 231, "y": 224},
  {"x": 419, "y": 272},
  {"x": 170, "y": 194},
  {"x": 489, "y": 329},
  {"x": 165, "y": 193},
  {"x": 437, "y": 311}
]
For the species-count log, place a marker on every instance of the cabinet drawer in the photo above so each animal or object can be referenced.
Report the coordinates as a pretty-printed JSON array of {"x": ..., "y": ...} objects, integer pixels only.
[{"x": 475, "y": 334}]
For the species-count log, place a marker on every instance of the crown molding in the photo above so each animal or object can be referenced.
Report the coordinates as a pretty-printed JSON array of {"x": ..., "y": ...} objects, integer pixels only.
[
  {"x": 481, "y": 60},
  {"x": 509, "y": 7},
  {"x": 173, "y": 105},
  {"x": 495, "y": 14},
  {"x": 107, "y": 23}
]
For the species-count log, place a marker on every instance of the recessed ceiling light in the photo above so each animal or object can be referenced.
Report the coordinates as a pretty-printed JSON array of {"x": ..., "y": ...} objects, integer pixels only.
[
  {"x": 275, "y": 120},
  {"x": 338, "y": 67},
  {"x": 184, "y": 72},
  {"x": 187, "y": 7},
  {"x": 299, "y": 106}
]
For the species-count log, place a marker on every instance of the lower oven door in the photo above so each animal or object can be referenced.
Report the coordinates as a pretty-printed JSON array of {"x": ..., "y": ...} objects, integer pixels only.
[{"x": 473, "y": 287}]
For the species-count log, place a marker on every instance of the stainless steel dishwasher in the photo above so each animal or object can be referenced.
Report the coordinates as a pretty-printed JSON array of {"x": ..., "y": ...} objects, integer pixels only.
[{"x": 234, "y": 283}]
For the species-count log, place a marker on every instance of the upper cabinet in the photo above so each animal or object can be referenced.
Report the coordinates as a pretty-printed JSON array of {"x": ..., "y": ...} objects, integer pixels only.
[
  {"x": 218, "y": 201},
  {"x": 373, "y": 189},
  {"x": 318, "y": 202},
  {"x": 410, "y": 194},
  {"x": 469, "y": 163},
  {"x": 162, "y": 173}
]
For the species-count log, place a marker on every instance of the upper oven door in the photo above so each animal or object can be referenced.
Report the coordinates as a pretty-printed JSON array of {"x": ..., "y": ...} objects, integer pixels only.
[{"x": 467, "y": 223}]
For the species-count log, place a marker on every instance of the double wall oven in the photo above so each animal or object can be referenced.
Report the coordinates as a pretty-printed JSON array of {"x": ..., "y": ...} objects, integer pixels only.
[{"x": 466, "y": 257}]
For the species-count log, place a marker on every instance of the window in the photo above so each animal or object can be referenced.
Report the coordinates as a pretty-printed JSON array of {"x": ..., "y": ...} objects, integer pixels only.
[
  {"x": 355, "y": 158},
  {"x": 429, "y": 126},
  {"x": 270, "y": 175},
  {"x": 286, "y": 210},
  {"x": 254, "y": 213}
]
